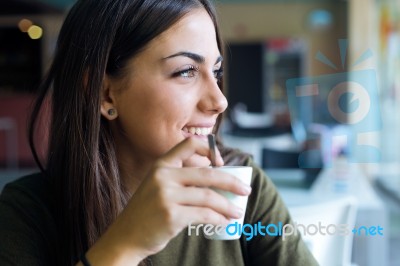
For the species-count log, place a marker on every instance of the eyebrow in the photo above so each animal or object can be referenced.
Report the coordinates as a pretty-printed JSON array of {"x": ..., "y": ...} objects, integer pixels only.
[{"x": 195, "y": 57}]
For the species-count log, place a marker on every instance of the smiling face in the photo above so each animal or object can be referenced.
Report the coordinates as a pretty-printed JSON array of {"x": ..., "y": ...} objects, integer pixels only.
[{"x": 169, "y": 91}]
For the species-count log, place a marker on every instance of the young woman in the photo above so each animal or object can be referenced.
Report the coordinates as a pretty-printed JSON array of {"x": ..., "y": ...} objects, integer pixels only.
[{"x": 135, "y": 87}]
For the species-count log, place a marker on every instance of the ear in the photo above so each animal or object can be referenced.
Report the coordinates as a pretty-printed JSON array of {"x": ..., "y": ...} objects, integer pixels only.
[{"x": 108, "y": 108}]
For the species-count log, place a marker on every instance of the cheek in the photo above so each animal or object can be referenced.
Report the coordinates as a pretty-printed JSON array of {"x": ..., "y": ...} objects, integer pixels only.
[
  {"x": 152, "y": 123},
  {"x": 140, "y": 116}
]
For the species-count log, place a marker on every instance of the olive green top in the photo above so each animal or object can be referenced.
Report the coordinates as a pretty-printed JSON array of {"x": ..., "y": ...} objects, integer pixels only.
[{"x": 28, "y": 232}]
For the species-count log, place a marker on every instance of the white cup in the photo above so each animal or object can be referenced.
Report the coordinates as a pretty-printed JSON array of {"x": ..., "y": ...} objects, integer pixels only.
[{"x": 233, "y": 229}]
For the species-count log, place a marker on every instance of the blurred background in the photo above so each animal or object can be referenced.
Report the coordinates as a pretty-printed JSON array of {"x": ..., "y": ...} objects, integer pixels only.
[{"x": 314, "y": 95}]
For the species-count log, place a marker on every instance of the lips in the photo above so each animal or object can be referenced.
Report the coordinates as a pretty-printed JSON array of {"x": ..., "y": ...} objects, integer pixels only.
[{"x": 200, "y": 131}]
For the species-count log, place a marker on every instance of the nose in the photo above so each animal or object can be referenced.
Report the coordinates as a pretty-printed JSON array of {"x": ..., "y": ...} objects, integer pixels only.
[{"x": 212, "y": 100}]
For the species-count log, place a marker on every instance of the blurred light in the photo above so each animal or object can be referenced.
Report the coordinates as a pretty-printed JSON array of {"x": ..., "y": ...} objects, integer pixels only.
[
  {"x": 35, "y": 32},
  {"x": 320, "y": 19},
  {"x": 24, "y": 25}
]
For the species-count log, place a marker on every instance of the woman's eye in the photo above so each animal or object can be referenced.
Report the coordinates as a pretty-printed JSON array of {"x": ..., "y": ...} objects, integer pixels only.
[
  {"x": 218, "y": 74},
  {"x": 188, "y": 72}
]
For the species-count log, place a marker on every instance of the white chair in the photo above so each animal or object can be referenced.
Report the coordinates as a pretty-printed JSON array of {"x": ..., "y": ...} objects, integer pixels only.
[{"x": 326, "y": 228}]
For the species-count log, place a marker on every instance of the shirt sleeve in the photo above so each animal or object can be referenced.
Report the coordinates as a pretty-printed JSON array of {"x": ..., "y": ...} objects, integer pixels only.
[{"x": 267, "y": 214}]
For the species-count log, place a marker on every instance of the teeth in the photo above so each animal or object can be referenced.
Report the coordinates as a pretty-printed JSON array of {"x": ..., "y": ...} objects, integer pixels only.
[{"x": 198, "y": 130}]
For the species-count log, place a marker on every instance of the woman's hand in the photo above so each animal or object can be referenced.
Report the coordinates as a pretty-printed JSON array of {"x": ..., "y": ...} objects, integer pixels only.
[{"x": 170, "y": 198}]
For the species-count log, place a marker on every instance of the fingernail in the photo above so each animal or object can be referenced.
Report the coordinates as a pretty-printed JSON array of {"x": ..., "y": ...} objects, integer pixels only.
[
  {"x": 239, "y": 212},
  {"x": 246, "y": 189}
]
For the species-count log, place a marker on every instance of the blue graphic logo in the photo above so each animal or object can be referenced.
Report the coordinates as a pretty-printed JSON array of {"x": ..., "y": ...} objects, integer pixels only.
[{"x": 344, "y": 104}]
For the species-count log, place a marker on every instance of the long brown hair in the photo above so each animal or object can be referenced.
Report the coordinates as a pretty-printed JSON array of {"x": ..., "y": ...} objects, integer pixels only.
[{"x": 98, "y": 37}]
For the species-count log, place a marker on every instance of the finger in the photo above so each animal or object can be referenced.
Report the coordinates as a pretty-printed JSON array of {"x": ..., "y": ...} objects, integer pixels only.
[
  {"x": 208, "y": 198},
  {"x": 183, "y": 151},
  {"x": 196, "y": 161},
  {"x": 202, "y": 161},
  {"x": 198, "y": 215},
  {"x": 212, "y": 177}
]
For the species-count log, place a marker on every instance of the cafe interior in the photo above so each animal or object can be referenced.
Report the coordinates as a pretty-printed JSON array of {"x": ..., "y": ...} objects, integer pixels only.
[{"x": 314, "y": 96}]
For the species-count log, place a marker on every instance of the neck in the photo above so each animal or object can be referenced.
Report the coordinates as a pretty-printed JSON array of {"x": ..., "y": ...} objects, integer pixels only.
[{"x": 132, "y": 172}]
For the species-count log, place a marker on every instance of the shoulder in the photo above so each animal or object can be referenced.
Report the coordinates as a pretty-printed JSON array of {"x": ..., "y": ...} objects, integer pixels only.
[
  {"x": 233, "y": 156},
  {"x": 264, "y": 192},
  {"x": 27, "y": 221},
  {"x": 33, "y": 184},
  {"x": 264, "y": 196},
  {"x": 26, "y": 192}
]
